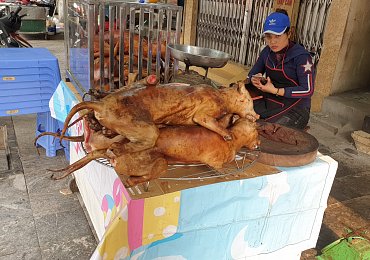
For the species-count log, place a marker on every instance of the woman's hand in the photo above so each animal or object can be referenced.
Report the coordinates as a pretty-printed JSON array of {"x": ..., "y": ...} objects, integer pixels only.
[
  {"x": 256, "y": 80},
  {"x": 268, "y": 87}
]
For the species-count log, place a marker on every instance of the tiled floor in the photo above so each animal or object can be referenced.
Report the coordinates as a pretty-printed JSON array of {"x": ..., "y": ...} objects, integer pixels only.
[{"x": 38, "y": 222}]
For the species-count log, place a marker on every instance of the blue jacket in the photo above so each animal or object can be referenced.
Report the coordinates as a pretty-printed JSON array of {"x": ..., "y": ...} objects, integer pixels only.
[{"x": 295, "y": 73}]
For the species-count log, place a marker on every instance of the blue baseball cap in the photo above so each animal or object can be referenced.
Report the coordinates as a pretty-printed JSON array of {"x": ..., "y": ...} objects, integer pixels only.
[{"x": 276, "y": 23}]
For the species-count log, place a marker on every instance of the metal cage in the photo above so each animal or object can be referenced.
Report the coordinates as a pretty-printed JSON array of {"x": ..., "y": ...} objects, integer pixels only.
[{"x": 105, "y": 41}]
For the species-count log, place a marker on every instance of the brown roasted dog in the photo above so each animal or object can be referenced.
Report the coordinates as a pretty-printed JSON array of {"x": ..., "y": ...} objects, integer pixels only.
[
  {"x": 135, "y": 114},
  {"x": 194, "y": 144},
  {"x": 185, "y": 144},
  {"x": 188, "y": 144},
  {"x": 135, "y": 168}
]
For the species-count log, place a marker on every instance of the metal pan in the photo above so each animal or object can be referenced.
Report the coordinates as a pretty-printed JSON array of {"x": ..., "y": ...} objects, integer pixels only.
[{"x": 198, "y": 56}]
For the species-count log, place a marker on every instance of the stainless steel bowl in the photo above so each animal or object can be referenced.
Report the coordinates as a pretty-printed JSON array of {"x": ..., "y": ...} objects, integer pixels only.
[{"x": 198, "y": 56}]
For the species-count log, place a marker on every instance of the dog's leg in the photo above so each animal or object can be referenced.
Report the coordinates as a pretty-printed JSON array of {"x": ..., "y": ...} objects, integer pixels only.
[
  {"x": 211, "y": 124},
  {"x": 79, "y": 164},
  {"x": 142, "y": 136},
  {"x": 226, "y": 121},
  {"x": 135, "y": 180}
]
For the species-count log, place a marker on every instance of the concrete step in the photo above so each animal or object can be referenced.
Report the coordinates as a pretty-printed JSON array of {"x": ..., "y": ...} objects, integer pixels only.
[
  {"x": 347, "y": 109},
  {"x": 325, "y": 121}
]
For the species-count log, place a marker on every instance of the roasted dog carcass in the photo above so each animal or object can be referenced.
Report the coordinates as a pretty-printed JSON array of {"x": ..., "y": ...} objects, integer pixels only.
[
  {"x": 126, "y": 46},
  {"x": 135, "y": 114},
  {"x": 185, "y": 144},
  {"x": 194, "y": 144},
  {"x": 102, "y": 54}
]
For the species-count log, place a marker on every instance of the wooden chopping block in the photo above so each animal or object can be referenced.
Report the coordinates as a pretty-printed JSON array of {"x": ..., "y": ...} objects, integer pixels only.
[{"x": 286, "y": 147}]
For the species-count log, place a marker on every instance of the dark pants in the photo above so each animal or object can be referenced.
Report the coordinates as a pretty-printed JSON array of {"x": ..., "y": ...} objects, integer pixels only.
[{"x": 296, "y": 117}]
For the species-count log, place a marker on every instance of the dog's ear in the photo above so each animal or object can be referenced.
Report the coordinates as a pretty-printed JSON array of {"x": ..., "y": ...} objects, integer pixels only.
[
  {"x": 235, "y": 118},
  {"x": 241, "y": 87},
  {"x": 239, "y": 83}
]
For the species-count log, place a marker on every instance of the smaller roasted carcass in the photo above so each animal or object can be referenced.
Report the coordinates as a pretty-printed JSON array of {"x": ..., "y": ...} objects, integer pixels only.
[
  {"x": 138, "y": 167},
  {"x": 134, "y": 168},
  {"x": 194, "y": 144}
]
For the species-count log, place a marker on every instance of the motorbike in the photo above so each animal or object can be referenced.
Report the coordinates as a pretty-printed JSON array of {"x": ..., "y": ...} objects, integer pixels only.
[{"x": 9, "y": 25}]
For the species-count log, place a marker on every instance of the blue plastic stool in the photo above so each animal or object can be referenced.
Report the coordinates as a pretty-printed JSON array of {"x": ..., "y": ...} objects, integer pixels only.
[
  {"x": 66, "y": 150},
  {"x": 64, "y": 142},
  {"x": 28, "y": 79},
  {"x": 45, "y": 123}
]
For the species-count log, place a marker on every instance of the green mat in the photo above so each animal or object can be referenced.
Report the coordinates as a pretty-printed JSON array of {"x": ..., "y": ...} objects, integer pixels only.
[{"x": 352, "y": 248}]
